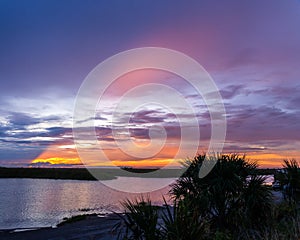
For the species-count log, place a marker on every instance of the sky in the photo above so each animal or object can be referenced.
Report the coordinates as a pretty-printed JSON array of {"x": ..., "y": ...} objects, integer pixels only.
[{"x": 251, "y": 49}]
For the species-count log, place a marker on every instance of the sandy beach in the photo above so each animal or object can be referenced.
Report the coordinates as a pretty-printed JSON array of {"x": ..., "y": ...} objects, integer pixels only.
[{"x": 91, "y": 228}]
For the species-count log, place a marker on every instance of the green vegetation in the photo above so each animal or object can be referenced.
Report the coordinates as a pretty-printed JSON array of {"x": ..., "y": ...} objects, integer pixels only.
[{"x": 231, "y": 202}]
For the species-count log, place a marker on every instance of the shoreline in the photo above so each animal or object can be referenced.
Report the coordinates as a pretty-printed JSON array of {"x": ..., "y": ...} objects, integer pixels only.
[{"x": 91, "y": 227}]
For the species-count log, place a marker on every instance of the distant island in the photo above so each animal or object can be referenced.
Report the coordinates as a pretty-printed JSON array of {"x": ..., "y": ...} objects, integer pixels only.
[{"x": 101, "y": 173}]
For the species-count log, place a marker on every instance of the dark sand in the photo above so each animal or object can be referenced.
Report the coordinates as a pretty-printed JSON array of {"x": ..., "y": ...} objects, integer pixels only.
[{"x": 91, "y": 228}]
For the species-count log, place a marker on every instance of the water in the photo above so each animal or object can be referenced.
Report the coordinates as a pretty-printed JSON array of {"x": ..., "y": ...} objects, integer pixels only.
[
  {"x": 269, "y": 179},
  {"x": 30, "y": 203}
]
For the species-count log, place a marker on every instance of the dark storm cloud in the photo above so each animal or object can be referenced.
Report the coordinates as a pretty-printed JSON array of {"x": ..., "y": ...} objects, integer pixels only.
[
  {"x": 92, "y": 119},
  {"x": 21, "y": 129},
  {"x": 232, "y": 91},
  {"x": 149, "y": 116},
  {"x": 20, "y": 120},
  {"x": 243, "y": 149},
  {"x": 263, "y": 123}
]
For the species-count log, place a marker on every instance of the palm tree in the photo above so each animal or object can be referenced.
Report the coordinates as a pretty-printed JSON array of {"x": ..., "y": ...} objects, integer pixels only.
[
  {"x": 231, "y": 196},
  {"x": 231, "y": 202},
  {"x": 140, "y": 219},
  {"x": 181, "y": 222},
  {"x": 143, "y": 221},
  {"x": 291, "y": 179}
]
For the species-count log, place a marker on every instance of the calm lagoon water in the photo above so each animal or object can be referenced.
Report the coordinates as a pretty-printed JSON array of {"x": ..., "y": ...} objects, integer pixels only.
[{"x": 29, "y": 203}]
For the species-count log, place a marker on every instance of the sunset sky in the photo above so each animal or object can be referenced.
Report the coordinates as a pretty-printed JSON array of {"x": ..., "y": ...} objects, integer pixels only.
[{"x": 251, "y": 49}]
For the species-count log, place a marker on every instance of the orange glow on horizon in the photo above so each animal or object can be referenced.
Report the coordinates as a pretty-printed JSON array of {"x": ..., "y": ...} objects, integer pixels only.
[
  {"x": 57, "y": 160},
  {"x": 148, "y": 163},
  {"x": 270, "y": 160},
  {"x": 66, "y": 154},
  {"x": 58, "y": 154}
]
